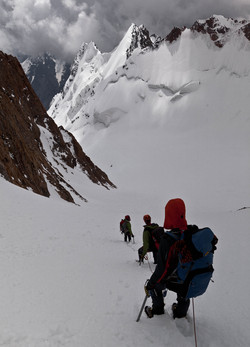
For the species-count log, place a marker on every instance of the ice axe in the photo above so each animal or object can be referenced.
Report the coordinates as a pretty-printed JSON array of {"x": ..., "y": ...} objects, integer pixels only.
[
  {"x": 142, "y": 307},
  {"x": 144, "y": 302}
]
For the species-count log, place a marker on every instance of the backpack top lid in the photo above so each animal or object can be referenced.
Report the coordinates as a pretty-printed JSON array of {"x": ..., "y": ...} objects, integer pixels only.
[
  {"x": 203, "y": 240},
  {"x": 175, "y": 215},
  {"x": 200, "y": 241}
]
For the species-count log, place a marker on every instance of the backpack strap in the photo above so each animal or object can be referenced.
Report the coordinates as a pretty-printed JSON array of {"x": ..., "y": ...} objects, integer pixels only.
[
  {"x": 171, "y": 253},
  {"x": 151, "y": 227},
  {"x": 157, "y": 234},
  {"x": 187, "y": 237}
]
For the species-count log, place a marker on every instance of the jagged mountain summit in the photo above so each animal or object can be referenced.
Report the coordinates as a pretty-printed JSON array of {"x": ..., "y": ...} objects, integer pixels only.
[
  {"x": 47, "y": 76},
  {"x": 218, "y": 28},
  {"x": 149, "y": 64},
  {"x": 34, "y": 153},
  {"x": 90, "y": 68},
  {"x": 221, "y": 29}
]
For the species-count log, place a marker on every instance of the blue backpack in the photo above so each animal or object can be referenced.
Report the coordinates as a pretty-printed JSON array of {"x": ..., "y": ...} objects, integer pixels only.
[{"x": 193, "y": 251}]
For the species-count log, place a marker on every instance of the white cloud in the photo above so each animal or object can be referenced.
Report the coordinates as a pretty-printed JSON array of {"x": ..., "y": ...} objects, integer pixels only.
[{"x": 73, "y": 4}]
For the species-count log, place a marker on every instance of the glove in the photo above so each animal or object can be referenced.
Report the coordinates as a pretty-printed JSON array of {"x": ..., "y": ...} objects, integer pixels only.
[
  {"x": 150, "y": 286},
  {"x": 146, "y": 291},
  {"x": 147, "y": 287}
]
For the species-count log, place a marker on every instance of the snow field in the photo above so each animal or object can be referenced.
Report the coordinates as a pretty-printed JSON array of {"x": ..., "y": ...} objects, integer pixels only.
[{"x": 69, "y": 279}]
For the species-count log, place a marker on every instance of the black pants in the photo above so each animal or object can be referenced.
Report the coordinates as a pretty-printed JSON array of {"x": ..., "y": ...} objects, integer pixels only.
[
  {"x": 127, "y": 236},
  {"x": 140, "y": 252},
  {"x": 158, "y": 301}
]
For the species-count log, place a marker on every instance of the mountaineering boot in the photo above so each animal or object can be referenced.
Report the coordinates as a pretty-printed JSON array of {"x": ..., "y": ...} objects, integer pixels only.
[
  {"x": 180, "y": 309},
  {"x": 149, "y": 312},
  {"x": 174, "y": 308}
]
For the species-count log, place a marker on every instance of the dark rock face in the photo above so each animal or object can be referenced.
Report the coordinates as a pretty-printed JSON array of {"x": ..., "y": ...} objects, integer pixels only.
[
  {"x": 140, "y": 38},
  {"x": 218, "y": 31},
  {"x": 246, "y": 31},
  {"x": 210, "y": 26},
  {"x": 23, "y": 159},
  {"x": 42, "y": 76},
  {"x": 174, "y": 34}
]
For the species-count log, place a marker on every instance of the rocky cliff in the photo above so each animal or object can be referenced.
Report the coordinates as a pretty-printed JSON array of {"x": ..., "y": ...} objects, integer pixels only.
[
  {"x": 34, "y": 153},
  {"x": 218, "y": 28}
]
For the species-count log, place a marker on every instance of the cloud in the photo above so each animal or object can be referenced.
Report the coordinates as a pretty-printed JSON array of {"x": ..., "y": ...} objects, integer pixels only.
[{"x": 61, "y": 26}]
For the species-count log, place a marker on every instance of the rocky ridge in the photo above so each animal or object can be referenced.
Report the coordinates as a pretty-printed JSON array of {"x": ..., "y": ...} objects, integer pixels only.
[
  {"x": 140, "y": 37},
  {"x": 219, "y": 29},
  {"x": 25, "y": 127}
]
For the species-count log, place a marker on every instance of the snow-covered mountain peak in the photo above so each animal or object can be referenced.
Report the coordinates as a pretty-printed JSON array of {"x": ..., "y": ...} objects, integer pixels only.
[
  {"x": 151, "y": 78},
  {"x": 139, "y": 38},
  {"x": 219, "y": 21},
  {"x": 221, "y": 29},
  {"x": 47, "y": 75},
  {"x": 136, "y": 37},
  {"x": 91, "y": 51},
  {"x": 85, "y": 54},
  {"x": 88, "y": 56},
  {"x": 90, "y": 67},
  {"x": 86, "y": 72}
]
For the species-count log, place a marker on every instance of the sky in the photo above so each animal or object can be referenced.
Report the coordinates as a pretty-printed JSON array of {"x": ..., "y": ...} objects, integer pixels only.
[{"x": 60, "y": 26}]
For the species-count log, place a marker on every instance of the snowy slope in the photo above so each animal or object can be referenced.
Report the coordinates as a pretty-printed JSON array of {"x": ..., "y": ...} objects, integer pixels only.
[{"x": 68, "y": 279}]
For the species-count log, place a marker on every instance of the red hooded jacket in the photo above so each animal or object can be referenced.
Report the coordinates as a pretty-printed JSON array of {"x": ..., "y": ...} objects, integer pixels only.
[
  {"x": 175, "y": 220},
  {"x": 175, "y": 215}
]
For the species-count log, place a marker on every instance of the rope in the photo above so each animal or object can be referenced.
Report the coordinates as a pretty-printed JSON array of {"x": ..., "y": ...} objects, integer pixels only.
[{"x": 195, "y": 336}]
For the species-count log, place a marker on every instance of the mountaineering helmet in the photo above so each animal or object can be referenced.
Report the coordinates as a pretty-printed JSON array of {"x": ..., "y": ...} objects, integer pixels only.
[{"x": 147, "y": 218}]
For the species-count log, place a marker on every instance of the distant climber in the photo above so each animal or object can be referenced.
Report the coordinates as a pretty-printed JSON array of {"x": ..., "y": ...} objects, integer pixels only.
[
  {"x": 126, "y": 229},
  {"x": 151, "y": 234}
]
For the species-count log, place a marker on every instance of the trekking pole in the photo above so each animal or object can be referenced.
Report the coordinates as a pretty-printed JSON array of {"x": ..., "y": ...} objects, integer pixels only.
[
  {"x": 195, "y": 336},
  {"x": 142, "y": 307}
]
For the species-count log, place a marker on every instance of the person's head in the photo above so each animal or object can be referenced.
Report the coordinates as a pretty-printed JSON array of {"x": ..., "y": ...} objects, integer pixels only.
[
  {"x": 175, "y": 215},
  {"x": 147, "y": 219},
  {"x": 127, "y": 217}
]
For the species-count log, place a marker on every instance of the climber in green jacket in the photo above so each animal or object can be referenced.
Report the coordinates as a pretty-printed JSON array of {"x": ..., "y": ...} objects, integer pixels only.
[
  {"x": 148, "y": 242},
  {"x": 126, "y": 229}
]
